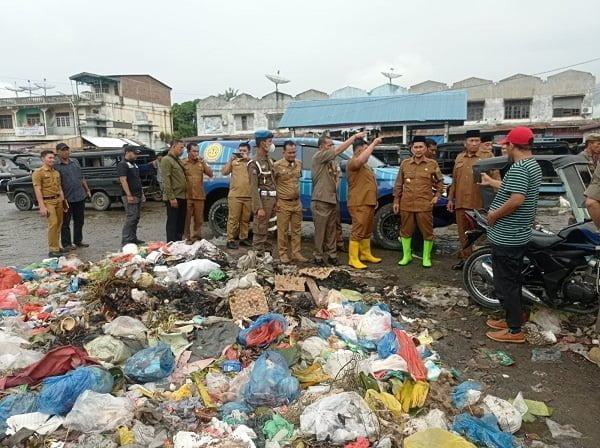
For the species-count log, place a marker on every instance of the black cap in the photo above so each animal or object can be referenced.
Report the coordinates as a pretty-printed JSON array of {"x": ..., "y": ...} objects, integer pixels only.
[
  {"x": 61, "y": 146},
  {"x": 473, "y": 133},
  {"x": 419, "y": 139},
  {"x": 487, "y": 138},
  {"x": 134, "y": 149}
]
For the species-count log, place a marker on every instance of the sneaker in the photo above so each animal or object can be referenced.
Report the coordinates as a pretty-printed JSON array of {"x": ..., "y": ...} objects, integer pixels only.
[
  {"x": 499, "y": 324},
  {"x": 80, "y": 244},
  {"x": 458, "y": 267},
  {"x": 246, "y": 243},
  {"x": 506, "y": 336},
  {"x": 333, "y": 262},
  {"x": 232, "y": 245}
]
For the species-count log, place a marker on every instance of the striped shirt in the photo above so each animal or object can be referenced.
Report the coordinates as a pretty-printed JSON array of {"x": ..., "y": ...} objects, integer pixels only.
[{"x": 523, "y": 177}]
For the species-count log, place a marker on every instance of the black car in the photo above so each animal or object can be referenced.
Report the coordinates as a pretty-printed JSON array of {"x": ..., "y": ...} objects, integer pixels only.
[{"x": 9, "y": 170}]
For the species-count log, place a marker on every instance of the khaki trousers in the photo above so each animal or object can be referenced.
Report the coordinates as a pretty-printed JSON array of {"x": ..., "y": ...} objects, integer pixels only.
[
  {"x": 338, "y": 229},
  {"x": 55, "y": 219},
  {"x": 363, "y": 217},
  {"x": 325, "y": 220},
  {"x": 238, "y": 220},
  {"x": 463, "y": 225},
  {"x": 289, "y": 218},
  {"x": 409, "y": 221},
  {"x": 260, "y": 240},
  {"x": 195, "y": 213}
]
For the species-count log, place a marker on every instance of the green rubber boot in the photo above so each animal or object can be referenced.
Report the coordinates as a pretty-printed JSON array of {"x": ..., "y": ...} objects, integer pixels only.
[
  {"x": 406, "y": 251},
  {"x": 427, "y": 248}
]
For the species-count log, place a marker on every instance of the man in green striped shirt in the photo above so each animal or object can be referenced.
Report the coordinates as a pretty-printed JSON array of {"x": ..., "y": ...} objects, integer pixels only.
[{"x": 510, "y": 218}]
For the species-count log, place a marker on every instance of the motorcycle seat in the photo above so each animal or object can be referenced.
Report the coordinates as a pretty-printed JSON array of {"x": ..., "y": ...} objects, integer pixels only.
[{"x": 541, "y": 240}]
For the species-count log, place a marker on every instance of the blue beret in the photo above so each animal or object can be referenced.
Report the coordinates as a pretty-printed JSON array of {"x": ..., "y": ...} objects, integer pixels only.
[{"x": 263, "y": 133}]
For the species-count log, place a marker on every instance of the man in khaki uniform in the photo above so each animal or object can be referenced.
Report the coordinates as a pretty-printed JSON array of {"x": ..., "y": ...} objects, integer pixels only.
[
  {"x": 362, "y": 202},
  {"x": 263, "y": 190},
  {"x": 50, "y": 198},
  {"x": 289, "y": 208},
  {"x": 465, "y": 194},
  {"x": 414, "y": 199},
  {"x": 238, "y": 200},
  {"x": 174, "y": 191},
  {"x": 591, "y": 153},
  {"x": 195, "y": 169},
  {"x": 487, "y": 144},
  {"x": 324, "y": 197}
]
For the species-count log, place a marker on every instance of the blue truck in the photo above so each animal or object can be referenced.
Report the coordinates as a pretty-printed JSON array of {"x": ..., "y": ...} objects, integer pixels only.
[{"x": 387, "y": 225}]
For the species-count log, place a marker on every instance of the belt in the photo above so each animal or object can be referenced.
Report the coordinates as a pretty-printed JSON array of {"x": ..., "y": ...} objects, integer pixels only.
[
  {"x": 50, "y": 197},
  {"x": 295, "y": 199},
  {"x": 268, "y": 193}
]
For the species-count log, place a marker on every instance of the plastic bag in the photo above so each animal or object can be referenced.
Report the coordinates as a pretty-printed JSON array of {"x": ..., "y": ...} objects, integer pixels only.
[
  {"x": 12, "y": 356},
  {"x": 35, "y": 421},
  {"x": 509, "y": 418},
  {"x": 94, "y": 412},
  {"x": 408, "y": 351},
  {"x": 217, "y": 385},
  {"x": 266, "y": 329},
  {"x": 311, "y": 375},
  {"x": 196, "y": 269},
  {"x": 387, "y": 345},
  {"x": 547, "y": 320},
  {"x": 461, "y": 397},
  {"x": 8, "y": 297},
  {"x": 436, "y": 437},
  {"x": 393, "y": 362},
  {"x": 313, "y": 347},
  {"x": 59, "y": 393},
  {"x": 562, "y": 431},
  {"x": 125, "y": 326},
  {"x": 482, "y": 431},
  {"x": 374, "y": 324},
  {"x": 8, "y": 278},
  {"x": 150, "y": 364},
  {"x": 382, "y": 401},
  {"x": 16, "y": 404},
  {"x": 278, "y": 429},
  {"x": 435, "y": 418},
  {"x": 340, "y": 363},
  {"x": 108, "y": 349},
  {"x": 322, "y": 419},
  {"x": 271, "y": 382}
]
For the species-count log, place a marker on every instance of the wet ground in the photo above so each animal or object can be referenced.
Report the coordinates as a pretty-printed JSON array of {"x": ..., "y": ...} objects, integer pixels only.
[{"x": 571, "y": 387}]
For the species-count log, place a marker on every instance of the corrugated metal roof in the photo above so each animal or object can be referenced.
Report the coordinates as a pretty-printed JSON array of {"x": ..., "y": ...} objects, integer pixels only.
[{"x": 398, "y": 109}]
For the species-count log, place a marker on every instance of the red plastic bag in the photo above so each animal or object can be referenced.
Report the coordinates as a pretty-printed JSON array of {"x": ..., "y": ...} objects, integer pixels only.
[
  {"x": 361, "y": 442},
  {"x": 408, "y": 351},
  {"x": 8, "y": 278},
  {"x": 8, "y": 297}
]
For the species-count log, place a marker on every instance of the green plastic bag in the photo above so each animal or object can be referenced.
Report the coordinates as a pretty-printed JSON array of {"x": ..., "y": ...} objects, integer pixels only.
[{"x": 275, "y": 425}]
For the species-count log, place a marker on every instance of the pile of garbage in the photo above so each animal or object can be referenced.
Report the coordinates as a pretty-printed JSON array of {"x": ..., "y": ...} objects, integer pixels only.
[{"x": 181, "y": 346}]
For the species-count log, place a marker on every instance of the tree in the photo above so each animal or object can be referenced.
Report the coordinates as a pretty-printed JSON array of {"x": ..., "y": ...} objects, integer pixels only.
[
  {"x": 184, "y": 119},
  {"x": 229, "y": 94}
]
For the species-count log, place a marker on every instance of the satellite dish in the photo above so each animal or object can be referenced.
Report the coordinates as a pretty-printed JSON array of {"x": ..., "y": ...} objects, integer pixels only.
[
  {"x": 29, "y": 88},
  {"x": 391, "y": 75},
  {"x": 44, "y": 85},
  {"x": 14, "y": 89},
  {"x": 276, "y": 79}
]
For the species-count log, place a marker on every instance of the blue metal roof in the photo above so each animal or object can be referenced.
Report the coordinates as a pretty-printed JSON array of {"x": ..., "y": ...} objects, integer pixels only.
[{"x": 435, "y": 107}]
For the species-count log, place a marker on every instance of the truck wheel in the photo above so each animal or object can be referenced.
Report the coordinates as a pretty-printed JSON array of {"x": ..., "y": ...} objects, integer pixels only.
[
  {"x": 23, "y": 201},
  {"x": 100, "y": 201},
  {"x": 217, "y": 217},
  {"x": 387, "y": 228}
]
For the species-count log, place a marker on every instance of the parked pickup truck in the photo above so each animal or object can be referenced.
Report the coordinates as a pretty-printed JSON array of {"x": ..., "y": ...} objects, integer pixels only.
[
  {"x": 100, "y": 172},
  {"x": 387, "y": 224}
]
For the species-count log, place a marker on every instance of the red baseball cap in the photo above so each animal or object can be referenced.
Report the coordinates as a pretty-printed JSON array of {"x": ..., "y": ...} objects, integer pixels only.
[{"x": 518, "y": 136}]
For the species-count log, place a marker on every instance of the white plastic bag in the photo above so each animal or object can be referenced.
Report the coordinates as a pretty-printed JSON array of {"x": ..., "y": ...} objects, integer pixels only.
[
  {"x": 343, "y": 417},
  {"x": 94, "y": 412},
  {"x": 313, "y": 347},
  {"x": 12, "y": 356},
  {"x": 392, "y": 362},
  {"x": 108, "y": 349},
  {"x": 36, "y": 421},
  {"x": 125, "y": 326},
  {"x": 196, "y": 269},
  {"x": 562, "y": 431},
  {"x": 374, "y": 324},
  {"x": 340, "y": 363},
  {"x": 509, "y": 418}
]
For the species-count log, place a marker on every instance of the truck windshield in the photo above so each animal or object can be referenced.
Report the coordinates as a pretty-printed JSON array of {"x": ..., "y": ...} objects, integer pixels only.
[{"x": 373, "y": 161}]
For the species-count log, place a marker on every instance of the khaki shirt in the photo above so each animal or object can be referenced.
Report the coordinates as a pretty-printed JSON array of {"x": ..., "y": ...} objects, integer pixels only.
[
  {"x": 324, "y": 177},
  {"x": 239, "y": 186},
  {"x": 287, "y": 179},
  {"x": 194, "y": 176},
  {"x": 464, "y": 190},
  {"x": 593, "y": 190},
  {"x": 262, "y": 178},
  {"x": 415, "y": 183},
  {"x": 48, "y": 179},
  {"x": 362, "y": 186},
  {"x": 592, "y": 163},
  {"x": 173, "y": 178}
]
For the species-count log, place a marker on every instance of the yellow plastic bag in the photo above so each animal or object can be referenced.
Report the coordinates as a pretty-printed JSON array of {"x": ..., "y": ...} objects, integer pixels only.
[
  {"x": 411, "y": 394},
  {"x": 311, "y": 375},
  {"x": 438, "y": 438},
  {"x": 376, "y": 400},
  {"x": 182, "y": 393},
  {"x": 126, "y": 436}
]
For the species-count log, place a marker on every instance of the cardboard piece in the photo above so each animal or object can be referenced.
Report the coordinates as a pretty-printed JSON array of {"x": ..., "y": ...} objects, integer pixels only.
[
  {"x": 289, "y": 283},
  {"x": 245, "y": 303},
  {"x": 315, "y": 292},
  {"x": 318, "y": 273}
]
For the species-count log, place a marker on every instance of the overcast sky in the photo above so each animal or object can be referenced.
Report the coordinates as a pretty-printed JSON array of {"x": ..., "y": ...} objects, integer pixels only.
[{"x": 200, "y": 48}]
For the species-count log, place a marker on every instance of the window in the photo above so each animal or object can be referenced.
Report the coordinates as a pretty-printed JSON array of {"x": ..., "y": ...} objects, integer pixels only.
[
  {"x": 273, "y": 121},
  {"x": 33, "y": 119},
  {"x": 308, "y": 153},
  {"x": 102, "y": 88},
  {"x": 475, "y": 110},
  {"x": 244, "y": 122},
  {"x": 63, "y": 119},
  {"x": 566, "y": 106},
  {"x": 517, "y": 109},
  {"x": 213, "y": 124},
  {"x": 6, "y": 122}
]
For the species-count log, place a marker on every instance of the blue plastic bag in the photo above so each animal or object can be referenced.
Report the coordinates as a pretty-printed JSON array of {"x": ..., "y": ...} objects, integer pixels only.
[
  {"x": 59, "y": 393},
  {"x": 228, "y": 408},
  {"x": 150, "y": 364},
  {"x": 482, "y": 431},
  {"x": 271, "y": 382},
  {"x": 387, "y": 345},
  {"x": 324, "y": 331},
  {"x": 266, "y": 329},
  {"x": 459, "y": 394},
  {"x": 15, "y": 405}
]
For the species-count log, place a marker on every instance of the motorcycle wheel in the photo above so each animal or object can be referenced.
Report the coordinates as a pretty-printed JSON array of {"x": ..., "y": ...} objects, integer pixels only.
[{"x": 478, "y": 278}]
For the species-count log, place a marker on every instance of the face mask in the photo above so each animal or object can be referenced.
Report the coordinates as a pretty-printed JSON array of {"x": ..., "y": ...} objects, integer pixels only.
[{"x": 272, "y": 147}]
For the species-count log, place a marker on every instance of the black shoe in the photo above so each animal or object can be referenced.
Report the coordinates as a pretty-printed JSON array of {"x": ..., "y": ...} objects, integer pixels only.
[
  {"x": 333, "y": 262},
  {"x": 135, "y": 241},
  {"x": 232, "y": 245},
  {"x": 69, "y": 247},
  {"x": 458, "y": 266},
  {"x": 80, "y": 244},
  {"x": 64, "y": 250},
  {"x": 54, "y": 254},
  {"x": 342, "y": 248},
  {"x": 319, "y": 262},
  {"x": 246, "y": 243}
]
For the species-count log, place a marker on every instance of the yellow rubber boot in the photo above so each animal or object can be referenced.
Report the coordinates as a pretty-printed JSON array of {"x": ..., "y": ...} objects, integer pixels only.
[
  {"x": 353, "y": 248},
  {"x": 365, "y": 252},
  {"x": 406, "y": 251}
]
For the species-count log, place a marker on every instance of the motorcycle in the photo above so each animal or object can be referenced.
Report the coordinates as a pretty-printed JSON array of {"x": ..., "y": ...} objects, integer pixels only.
[{"x": 560, "y": 270}]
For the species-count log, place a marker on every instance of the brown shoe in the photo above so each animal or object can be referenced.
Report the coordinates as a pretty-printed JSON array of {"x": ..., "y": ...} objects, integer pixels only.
[
  {"x": 506, "y": 336},
  {"x": 284, "y": 259},
  {"x": 300, "y": 258},
  {"x": 499, "y": 324}
]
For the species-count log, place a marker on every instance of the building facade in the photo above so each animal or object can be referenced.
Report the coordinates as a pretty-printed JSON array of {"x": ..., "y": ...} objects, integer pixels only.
[{"x": 137, "y": 107}]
